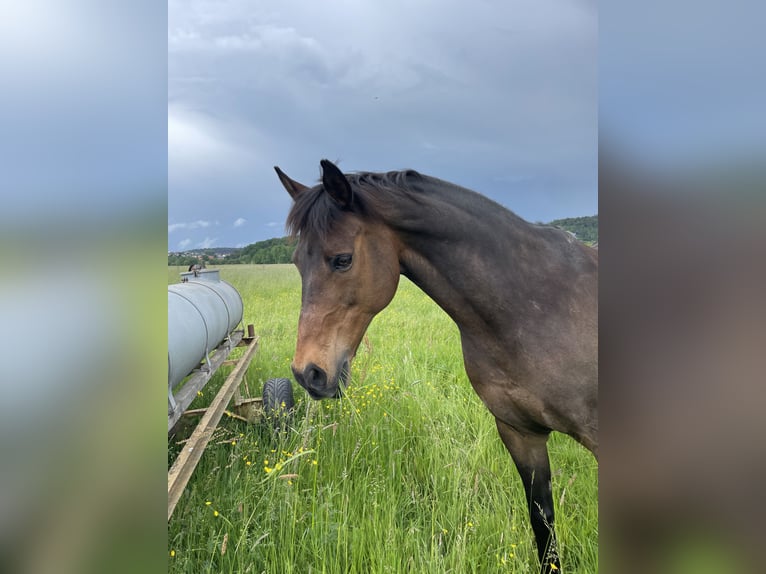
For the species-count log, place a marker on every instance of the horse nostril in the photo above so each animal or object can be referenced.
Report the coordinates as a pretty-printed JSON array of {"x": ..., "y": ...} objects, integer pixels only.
[
  {"x": 315, "y": 376},
  {"x": 312, "y": 377}
]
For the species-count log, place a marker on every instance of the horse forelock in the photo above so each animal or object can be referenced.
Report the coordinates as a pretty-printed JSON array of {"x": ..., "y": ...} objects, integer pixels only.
[{"x": 312, "y": 212}]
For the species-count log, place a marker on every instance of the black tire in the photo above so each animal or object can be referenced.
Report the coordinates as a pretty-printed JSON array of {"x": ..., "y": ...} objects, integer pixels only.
[{"x": 278, "y": 401}]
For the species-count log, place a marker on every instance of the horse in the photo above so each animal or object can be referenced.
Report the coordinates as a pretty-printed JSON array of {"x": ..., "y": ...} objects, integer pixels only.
[{"x": 524, "y": 297}]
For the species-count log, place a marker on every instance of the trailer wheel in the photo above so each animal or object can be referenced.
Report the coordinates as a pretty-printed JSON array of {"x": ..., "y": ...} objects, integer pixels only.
[{"x": 278, "y": 401}]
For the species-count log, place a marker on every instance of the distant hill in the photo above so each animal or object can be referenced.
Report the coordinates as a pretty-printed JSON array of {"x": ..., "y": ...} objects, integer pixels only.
[
  {"x": 277, "y": 250},
  {"x": 280, "y": 249},
  {"x": 213, "y": 255},
  {"x": 584, "y": 228}
]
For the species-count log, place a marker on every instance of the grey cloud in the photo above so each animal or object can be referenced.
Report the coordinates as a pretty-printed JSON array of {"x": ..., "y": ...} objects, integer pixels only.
[{"x": 471, "y": 93}]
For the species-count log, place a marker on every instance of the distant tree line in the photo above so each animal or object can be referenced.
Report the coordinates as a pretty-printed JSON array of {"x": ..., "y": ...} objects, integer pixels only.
[
  {"x": 277, "y": 250},
  {"x": 585, "y": 228},
  {"x": 207, "y": 256},
  {"x": 182, "y": 259},
  {"x": 280, "y": 250}
]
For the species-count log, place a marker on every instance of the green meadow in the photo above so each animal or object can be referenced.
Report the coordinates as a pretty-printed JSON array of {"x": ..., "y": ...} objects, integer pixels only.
[{"x": 404, "y": 474}]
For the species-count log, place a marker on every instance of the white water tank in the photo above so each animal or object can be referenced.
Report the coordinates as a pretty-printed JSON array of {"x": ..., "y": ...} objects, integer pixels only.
[{"x": 202, "y": 311}]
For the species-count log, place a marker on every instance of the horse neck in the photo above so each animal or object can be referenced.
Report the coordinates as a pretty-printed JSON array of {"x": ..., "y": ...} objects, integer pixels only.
[{"x": 471, "y": 261}]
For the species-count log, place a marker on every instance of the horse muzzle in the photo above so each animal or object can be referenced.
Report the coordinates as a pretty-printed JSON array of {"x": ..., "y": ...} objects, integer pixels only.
[{"x": 317, "y": 384}]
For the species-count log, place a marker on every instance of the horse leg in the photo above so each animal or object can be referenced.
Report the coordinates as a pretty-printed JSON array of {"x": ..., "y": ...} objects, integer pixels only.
[{"x": 530, "y": 455}]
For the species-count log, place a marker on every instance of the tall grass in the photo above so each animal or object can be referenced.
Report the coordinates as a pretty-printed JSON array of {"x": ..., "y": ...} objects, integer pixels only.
[{"x": 406, "y": 473}]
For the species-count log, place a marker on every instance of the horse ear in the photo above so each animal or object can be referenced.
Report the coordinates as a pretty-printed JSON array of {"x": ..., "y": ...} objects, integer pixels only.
[
  {"x": 336, "y": 184},
  {"x": 293, "y": 187}
]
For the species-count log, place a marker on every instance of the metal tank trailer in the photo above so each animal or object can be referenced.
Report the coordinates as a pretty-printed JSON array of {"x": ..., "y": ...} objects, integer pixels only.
[{"x": 204, "y": 312}]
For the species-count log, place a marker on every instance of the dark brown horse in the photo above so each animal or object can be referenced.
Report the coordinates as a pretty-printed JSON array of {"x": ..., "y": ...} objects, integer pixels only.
[{"x": 523, "y": 296}]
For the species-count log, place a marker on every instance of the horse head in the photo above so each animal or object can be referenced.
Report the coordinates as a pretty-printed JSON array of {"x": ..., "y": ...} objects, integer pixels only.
[{"x": 349, "y": 269}]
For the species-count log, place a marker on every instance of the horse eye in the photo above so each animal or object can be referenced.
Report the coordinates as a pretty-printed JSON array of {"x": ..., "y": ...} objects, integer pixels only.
[{"x": 341, "y": 262}]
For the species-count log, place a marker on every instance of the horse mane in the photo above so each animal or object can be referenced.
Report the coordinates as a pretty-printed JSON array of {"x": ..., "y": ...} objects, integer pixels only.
[
  {"x": 315, "y": 212},
  {"x": 391, "y": 197}
]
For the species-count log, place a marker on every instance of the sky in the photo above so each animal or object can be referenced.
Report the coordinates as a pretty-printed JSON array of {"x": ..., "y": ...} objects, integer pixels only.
[{"x": 497, "y": 96}]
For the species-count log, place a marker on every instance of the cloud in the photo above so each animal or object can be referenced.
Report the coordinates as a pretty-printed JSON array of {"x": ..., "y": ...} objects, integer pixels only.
[
  {"x": 240, "y": 221},
  {"x": 192, "y": 225},
  {"x": 201, "y": 143},
  {"x": 207, "y": 242},
  {"x": 264, "y": 39},
  {"x": 393, "y": 91},
  {"x": 184, "y": 243},
  {"x": 192, "y": 139}
]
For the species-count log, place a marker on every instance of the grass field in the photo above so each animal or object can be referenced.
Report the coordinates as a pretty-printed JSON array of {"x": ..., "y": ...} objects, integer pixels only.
[{"x": 405, "y": 474}]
